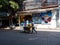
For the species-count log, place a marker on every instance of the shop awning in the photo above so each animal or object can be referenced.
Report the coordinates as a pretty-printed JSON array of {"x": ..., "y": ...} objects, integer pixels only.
[{"x": 35, "y": 11}]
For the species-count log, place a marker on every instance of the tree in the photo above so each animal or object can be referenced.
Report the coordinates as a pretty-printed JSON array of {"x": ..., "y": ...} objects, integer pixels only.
[
  {"x": 20, "y": 3},
  {"x": 9, "y": 5}
]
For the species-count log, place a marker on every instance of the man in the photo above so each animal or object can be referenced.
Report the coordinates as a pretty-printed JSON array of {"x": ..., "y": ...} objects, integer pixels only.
[{"x": 33, "y": 28}]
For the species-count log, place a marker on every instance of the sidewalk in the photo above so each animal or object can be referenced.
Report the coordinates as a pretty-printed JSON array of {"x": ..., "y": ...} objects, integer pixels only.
[{"x": 39, "y": 29}]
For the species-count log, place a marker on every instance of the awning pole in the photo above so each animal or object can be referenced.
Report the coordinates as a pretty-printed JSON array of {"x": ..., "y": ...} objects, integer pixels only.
[{"x": 19, "y": 20}]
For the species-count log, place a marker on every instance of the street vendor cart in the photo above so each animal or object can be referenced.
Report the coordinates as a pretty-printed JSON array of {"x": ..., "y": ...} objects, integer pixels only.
[{"x": 28, "y": 28}]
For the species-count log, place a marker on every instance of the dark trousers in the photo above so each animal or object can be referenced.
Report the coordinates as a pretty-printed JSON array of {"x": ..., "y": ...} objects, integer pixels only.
[{"x": 33, "y": 29}]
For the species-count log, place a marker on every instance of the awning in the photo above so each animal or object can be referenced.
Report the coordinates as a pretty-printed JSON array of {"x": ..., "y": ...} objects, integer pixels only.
[{"x": 35, "y": 11}]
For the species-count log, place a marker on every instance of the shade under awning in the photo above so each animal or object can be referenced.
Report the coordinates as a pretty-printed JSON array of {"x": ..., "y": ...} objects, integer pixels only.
[{"x": 3, "y": 14}]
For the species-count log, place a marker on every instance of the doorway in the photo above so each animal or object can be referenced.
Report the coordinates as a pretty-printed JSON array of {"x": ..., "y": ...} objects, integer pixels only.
[{"x": 23, "y": 19}]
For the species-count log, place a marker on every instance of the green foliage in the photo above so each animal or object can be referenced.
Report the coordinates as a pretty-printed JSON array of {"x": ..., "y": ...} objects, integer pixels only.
[
  {"x": 8, "y": 5},
  {"x": 0, "y": 6},
  {"x": 4, "y": 2},
  {"x": 14, "y": 5}
]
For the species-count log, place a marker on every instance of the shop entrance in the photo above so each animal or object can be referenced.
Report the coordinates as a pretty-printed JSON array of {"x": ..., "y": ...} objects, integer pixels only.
[
  {"x": 24, "y": 18},
  {"x": 5, "y": 21}
]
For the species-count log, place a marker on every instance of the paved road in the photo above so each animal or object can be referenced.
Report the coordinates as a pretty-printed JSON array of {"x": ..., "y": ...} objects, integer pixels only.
[{"x": 17, "y": 38}]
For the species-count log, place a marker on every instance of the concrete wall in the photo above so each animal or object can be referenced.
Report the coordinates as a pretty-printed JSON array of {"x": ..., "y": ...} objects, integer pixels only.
[
  {"x": 52, "y": 0},
  {"x": 58, "y": 21},
  {"x": 58, "y": 1}
]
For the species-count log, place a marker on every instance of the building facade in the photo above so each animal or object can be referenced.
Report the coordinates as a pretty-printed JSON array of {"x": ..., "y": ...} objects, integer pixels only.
[{"x": 45, "y": 14}]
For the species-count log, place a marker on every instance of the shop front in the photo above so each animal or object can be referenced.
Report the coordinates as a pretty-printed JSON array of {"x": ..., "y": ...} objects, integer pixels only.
[
  {"x": 4, "y": 19},
  {"x": 42, "y": 19},
  {"x": 45, "y": 19}
]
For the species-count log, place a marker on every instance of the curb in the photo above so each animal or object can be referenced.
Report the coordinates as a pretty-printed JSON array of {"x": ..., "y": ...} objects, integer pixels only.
[{"x": 20, "y": 28}]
